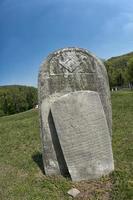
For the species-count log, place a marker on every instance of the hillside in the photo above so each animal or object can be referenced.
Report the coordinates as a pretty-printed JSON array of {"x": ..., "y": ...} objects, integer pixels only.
[
  {"x": 118, "y": 70},
  {"x": 120, "y": 61},
  {"x": 17, "y": 98},
  {"x": 21, "y": 169}
]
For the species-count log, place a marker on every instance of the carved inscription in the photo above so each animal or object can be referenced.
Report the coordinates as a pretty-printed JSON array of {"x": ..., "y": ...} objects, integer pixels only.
[{"x": 83, "y": 134}]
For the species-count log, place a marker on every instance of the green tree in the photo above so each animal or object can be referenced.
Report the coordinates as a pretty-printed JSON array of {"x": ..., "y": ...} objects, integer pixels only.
[
  {"x": 117, "y": 75},
  {"x": 130, "y": 72},
  {"x": 14, "y": 99},
  {"x": 5, "y": 104}
]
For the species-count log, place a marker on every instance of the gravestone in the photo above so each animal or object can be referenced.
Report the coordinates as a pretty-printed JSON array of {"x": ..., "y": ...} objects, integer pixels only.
[
  {"x": 83, "y": 134},
  {"x": 75, "y": 121}
]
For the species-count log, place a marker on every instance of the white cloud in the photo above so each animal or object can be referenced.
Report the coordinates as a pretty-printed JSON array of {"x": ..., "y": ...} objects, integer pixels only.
[
  {"x": 128, "y": 28},
  {"x": 128, "y": 24},
  {"x": 119, "y": 25}
]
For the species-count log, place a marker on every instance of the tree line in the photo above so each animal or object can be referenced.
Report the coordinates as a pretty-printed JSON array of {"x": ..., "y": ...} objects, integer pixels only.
[
  {"x": 120, "y": 71},
  {"x": 15, "y": 99}
]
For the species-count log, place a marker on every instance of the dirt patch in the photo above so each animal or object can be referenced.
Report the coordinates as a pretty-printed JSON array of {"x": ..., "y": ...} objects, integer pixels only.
[{"x": 94, "y": 189}]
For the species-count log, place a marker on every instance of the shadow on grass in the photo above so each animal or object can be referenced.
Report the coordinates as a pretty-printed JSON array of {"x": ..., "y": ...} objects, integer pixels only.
[{"x": 38, "y": 160}]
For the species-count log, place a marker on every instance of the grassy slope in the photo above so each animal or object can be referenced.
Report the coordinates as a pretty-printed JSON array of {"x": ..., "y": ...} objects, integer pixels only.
[
  {"x": 21, "y": 177},
  {"x": 123, "y": 144}
]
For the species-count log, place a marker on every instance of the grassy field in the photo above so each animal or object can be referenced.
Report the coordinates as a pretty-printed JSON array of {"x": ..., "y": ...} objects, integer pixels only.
[{"x": 21, "y": 176}]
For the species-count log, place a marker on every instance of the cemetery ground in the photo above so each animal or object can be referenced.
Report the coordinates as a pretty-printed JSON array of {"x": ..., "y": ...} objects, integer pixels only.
[{"x": 21, "y": 168}]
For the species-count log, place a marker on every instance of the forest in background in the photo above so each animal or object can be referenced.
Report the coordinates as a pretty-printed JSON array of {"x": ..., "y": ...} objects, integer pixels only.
[
  {"x": 120, "y": 70},
  {"x": 16, "y": 98}
]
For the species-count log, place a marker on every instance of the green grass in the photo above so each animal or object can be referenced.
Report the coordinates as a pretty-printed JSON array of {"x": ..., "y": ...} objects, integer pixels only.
[
  {"x": 122, "y": 104},
  {"x": 21, "y": 176}
]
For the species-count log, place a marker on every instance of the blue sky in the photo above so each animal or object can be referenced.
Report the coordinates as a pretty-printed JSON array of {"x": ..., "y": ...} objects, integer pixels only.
[{"x": 31, "y": 29}]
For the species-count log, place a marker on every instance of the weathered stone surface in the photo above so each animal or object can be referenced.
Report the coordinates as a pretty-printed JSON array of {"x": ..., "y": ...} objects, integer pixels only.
[
  {"x": 65, "y": 71},
  {"x": 83, "y": 134}
]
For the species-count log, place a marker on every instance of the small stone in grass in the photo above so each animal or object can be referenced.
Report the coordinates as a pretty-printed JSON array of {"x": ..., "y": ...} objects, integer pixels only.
[{"x": 73, "y": 192}]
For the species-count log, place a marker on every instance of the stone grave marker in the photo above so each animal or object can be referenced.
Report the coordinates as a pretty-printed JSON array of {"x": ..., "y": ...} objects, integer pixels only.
[{"x": 75, "y": 115}]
